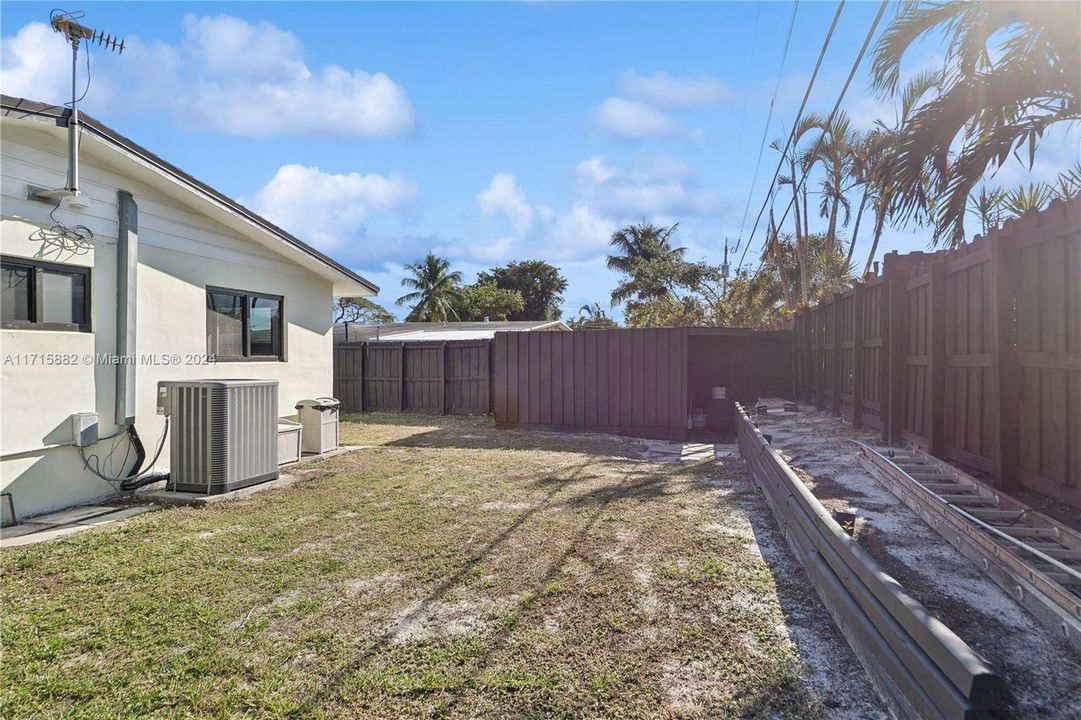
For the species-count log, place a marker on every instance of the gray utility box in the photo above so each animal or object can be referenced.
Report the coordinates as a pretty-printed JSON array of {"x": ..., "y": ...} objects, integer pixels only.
[
  {"x": 223, "y": 434},
  {"x": 319, "y": 418},
  {"x": 288, "y": 441}
]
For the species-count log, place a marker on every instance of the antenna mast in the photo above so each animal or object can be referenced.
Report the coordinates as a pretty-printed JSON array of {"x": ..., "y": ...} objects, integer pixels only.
[{"x": 68, "y": 25}]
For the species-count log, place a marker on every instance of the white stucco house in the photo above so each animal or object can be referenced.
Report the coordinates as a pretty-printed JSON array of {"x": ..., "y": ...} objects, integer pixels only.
[{"x": 174, "y": 274}]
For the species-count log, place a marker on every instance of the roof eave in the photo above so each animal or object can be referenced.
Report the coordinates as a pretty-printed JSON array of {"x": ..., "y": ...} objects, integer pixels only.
[{"x": 347, "y": 283}]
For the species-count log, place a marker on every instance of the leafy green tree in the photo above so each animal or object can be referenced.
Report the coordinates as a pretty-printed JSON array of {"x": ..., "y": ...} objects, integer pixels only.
[
  {"x": 687, "y": 311},
  {"x": 487, "y": 300},
  {"x": 1013, "y": 70},
  {"x": 435, "y": 290},
  {"x": 360, "y": 310},
  {"x": 540, "y": 285},
  {"x": 757, "y": 299}
]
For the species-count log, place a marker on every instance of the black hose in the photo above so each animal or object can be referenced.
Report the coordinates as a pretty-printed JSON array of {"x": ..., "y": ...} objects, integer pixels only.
[{"x": 134, "y": 480}]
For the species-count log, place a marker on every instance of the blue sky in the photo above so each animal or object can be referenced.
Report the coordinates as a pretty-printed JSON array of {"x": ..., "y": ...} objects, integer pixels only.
[{"x": 485, "y": 132}]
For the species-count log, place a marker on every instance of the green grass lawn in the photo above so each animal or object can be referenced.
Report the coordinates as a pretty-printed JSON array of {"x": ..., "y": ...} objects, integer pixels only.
[{"x": 451, "y": 570}]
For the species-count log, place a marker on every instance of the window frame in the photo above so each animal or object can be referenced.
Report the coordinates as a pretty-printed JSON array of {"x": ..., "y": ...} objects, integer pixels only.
[
  {"x": 36, "y": 300},
  {"x": 245, "y": 327}
]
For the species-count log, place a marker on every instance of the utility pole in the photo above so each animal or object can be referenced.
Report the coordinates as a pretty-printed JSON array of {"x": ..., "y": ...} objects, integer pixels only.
[{"x": 724, "y": 270}]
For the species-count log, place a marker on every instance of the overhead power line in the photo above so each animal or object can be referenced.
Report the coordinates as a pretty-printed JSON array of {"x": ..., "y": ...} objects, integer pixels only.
[
  {"x": 792, "y": 134},
  {"x": 769, "y": 117},
  {"x": 836, "y": 108}
]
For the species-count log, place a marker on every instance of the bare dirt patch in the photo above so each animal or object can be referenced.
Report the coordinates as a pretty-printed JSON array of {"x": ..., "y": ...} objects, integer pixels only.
[{"x": 1043, "y": 675}]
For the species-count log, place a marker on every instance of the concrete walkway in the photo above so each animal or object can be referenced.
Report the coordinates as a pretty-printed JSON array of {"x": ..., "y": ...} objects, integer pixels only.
[
  {"x": 62, "y": 523},
  {"x": 67, "y": 522}
]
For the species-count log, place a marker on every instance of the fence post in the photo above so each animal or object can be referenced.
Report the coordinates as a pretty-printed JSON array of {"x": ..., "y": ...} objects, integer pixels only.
[
  {"x": 1006, "y": 373},
  {"x": 837, "y": 368},
  {"x": 818, "y": 314},
  {"x": 401, "y": 376},
  {"x": 937, "y": 318},
  {"x": 857, "y": 355},
  {"x": 443, "y": 379},
  {"x": 893, "y": 334}
]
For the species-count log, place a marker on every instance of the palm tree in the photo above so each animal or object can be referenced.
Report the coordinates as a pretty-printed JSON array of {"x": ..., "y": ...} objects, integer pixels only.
[
  {"x": 1068, "y": 182},
  {"x": 797, "y": 162},
  {"x": 643, "y": 245},
  {"x": 834, "y": 152},
  {"x": 642, "y": 241},
  {"x": 593, "y": 311},
  {"x": 1023, "y": 199},
  {"x": 435, "y": 288},
  {"x": 987, "y": 206},
  {"x": 883, "y": 144},
  {"x": 864, "y": 161},
  {"x": 994, "y": 101}
]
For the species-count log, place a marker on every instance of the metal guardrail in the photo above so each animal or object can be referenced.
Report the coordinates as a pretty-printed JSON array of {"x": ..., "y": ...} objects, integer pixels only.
[{"x": 918, "y": 666}]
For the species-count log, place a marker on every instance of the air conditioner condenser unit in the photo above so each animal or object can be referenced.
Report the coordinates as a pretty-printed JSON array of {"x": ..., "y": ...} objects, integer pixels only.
[{"x": 223, "y": 433}]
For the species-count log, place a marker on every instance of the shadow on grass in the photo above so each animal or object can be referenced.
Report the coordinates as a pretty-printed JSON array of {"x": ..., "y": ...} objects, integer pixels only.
[
  {"x": 629, "y": 487},
  {"x": 478, "y": 432}
]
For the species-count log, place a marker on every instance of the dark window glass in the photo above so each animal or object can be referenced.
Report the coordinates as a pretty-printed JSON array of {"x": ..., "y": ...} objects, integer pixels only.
[
  {"x": 45, "y": 295},
  {"x": 17, "y": 285},
  {"x": 63, "y": 297},
  {"x": 243, "y": 325},
  {"x": 224, "y": 324},
  {"x": 264, "y": 327}
]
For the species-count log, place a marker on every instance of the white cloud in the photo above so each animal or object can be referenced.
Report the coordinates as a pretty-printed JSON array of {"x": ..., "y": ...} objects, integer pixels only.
[
  {"x": 503, "y": 196},
  {"x": 225, "y": 74},
  {"x": 665, "y": 187},
  {"x": 628, "y": 120},
  {"x": 328, "y": 210},
  {"x": 580, "y": 233},
  {"x": 535, "y": 229},
  {"x": 595, "y": 170},
  {"x": 665, "y": 91},
  {"x": 36, "y": 64}
]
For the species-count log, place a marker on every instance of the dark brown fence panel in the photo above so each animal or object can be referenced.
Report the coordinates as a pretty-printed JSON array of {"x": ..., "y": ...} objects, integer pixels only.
[
  {"x": 1048, "y": 301},
  {"x": 917, "y": 354},
  {"x": 467, "y": 377},
  {"x": 846, "y": 353},
  {"x": 972, "y": 353},
  {"x": 383, "y": 376},
  {"x": 634, "y": 381},
  {"x": 349, "y": 376},
  {"x": 870, "y": 373},
  {"x": 969, "y": 412},
  {"x": 827, "y": 343},
  {"x": 423, "y": 377}
]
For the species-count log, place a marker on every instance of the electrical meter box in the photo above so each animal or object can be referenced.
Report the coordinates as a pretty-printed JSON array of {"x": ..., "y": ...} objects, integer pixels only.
[{"x": 84, "y": 429}]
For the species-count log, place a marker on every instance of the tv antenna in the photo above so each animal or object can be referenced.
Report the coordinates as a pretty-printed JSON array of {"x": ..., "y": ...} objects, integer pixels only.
[{"x": 68, "y": 25}]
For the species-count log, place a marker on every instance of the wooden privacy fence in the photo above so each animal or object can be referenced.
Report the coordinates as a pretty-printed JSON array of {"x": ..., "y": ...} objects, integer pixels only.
[
  {"x": 642, "y": 382},
  {"x": 973, "y": 354},
  {"x": 449, "y": 377}
]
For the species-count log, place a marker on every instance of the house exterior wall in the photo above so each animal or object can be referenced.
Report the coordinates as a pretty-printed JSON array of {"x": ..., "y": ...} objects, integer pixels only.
[{"x": 180, "y": 253}]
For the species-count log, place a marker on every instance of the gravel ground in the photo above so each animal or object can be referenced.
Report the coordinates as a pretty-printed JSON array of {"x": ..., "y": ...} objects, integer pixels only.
[{"x": 1043, "y": 675}]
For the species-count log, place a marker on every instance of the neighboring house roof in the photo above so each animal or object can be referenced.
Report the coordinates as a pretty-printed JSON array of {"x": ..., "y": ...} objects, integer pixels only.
[
  {"x": 346, "y": 282},
  {"x": 415, "y": 331}
]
